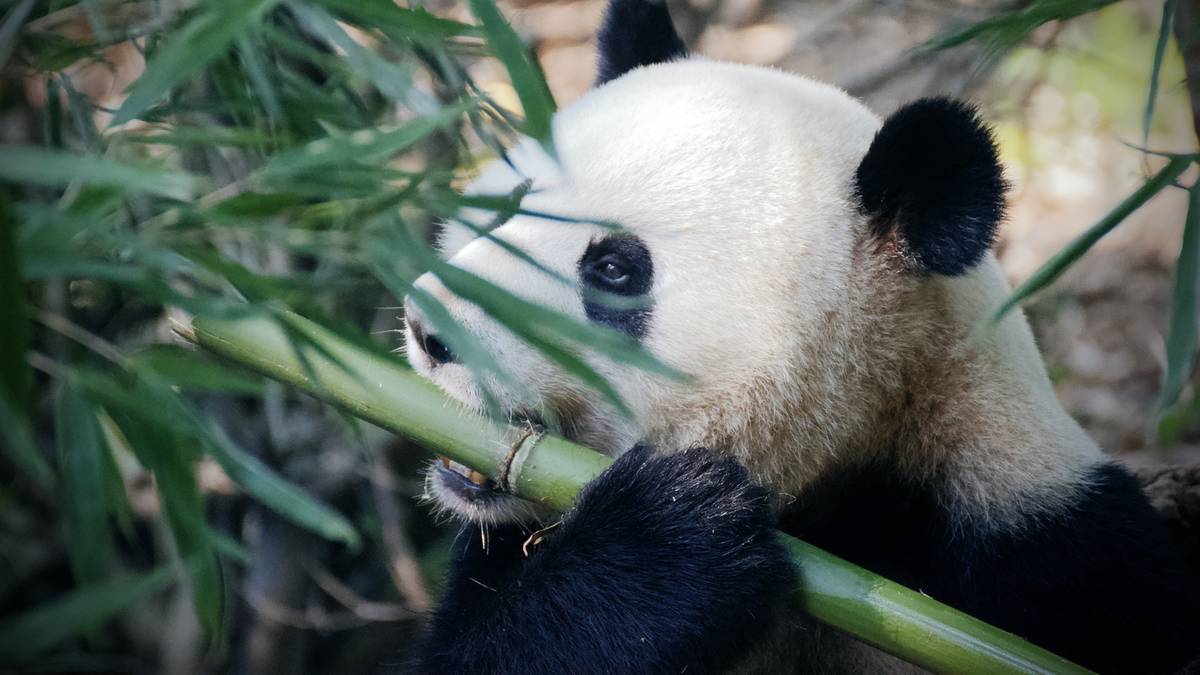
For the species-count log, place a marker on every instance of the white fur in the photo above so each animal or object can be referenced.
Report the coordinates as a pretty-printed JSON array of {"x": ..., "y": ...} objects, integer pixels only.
[{"x": 810, "y": 348}]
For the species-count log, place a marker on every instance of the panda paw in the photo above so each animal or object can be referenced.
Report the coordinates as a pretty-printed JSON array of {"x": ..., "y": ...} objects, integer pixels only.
[
  {"x": 693, "y": 500},
  {"x": 666, "y": 563},
  {"x": 692, "y": 543}
]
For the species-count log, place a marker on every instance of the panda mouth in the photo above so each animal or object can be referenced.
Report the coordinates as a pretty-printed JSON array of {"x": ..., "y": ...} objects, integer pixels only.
[
  {"x": 468, "y": 494},
  {"x": 467, "y": 482}
]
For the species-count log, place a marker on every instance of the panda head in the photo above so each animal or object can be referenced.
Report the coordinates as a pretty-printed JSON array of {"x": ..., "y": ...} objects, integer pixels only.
[{"x": 770, "y": 229}]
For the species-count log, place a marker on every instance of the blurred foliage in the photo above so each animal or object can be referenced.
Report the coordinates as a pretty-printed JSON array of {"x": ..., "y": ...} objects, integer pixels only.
[
  {"x": 266, "y": 156},
  {"x": 1008, "y": 29},
  {"x": 1104, "y": 64}
]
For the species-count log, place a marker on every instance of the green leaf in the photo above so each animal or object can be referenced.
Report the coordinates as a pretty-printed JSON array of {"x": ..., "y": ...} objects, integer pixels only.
[
  {"x": 215, "y": 136},
  {"x": 259, "y": 204},
  {"x": 400, "y": 22},
  {"x": 523, "y": 70},
  {"x": 522, "y": 316},
  {"x": 230, "y": 548},
  {"x": 1080, "y": 245},
  {"x": 1008, "y": 29},
  {"x": 392, "y": 80},
  {"x": 1160, "y": 49},
  {"x": 168, "y": 456},
  {"x": 466, "y": 347},
  {"x": 15, "y": 375},
  {"x": 1181, "y": 336},
  {"x": 289, "y": 501},
  {"x": 37, "y": 166},
  {"x": 204, "y": 39},
  {"x": 546, "y": 330},
  {"x": 17, "y": 441},
  {"x": 83, "y": 455},
  {"x": 11, "y": 26},
  {"x": 257, "y": 72},
  {"x": 364, "y": 144},
  {"x": 192, "y": 370},
  {"x": 82, "y": 611},
  {"x": 571, "y": 362},
  {"x": 157, "y": 409}
]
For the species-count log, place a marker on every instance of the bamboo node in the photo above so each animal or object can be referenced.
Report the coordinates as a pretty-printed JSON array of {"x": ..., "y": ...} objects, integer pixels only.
[{"x": 510, "y": 469}]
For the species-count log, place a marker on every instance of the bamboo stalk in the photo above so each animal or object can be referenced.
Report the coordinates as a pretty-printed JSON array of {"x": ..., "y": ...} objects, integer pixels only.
[{"x": 551, "y": 470}]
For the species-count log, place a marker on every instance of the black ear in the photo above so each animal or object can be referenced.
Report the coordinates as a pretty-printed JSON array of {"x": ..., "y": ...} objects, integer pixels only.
[
  {"x": 932, "y": 181},
  {"x": 636, "y": 33}
]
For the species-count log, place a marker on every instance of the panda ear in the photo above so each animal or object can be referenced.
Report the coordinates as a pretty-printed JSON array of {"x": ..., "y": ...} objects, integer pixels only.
[
  {"x": 932, "y": 182},
  {"x": 636, "y": 33}
]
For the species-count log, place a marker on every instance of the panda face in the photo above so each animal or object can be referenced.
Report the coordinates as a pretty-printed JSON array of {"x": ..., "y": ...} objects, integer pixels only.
[{"x": 733, "y": 188}]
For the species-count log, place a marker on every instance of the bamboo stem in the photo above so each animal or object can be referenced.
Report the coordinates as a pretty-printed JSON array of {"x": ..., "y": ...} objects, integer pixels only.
[{"x": 551, "y": 470}]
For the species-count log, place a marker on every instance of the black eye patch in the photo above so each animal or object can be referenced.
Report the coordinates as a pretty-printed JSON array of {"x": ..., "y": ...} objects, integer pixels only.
[{"x": 617, "y": 273}]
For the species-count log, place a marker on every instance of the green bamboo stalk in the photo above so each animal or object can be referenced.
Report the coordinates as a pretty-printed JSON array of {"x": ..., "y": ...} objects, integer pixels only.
[{"x": 551, "y": 470}]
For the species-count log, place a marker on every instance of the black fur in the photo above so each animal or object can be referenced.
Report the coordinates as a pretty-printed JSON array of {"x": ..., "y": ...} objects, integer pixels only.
[
  {"x": 1100, "y": 585},
  {"x": 636, "y": 33},
  {"x": 932, "y": 180},
  {"x": 621, "y": 303},
  {"x": 665, "y": 564}
]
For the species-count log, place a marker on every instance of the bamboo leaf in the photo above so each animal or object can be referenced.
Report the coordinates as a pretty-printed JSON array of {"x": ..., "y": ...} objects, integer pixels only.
[
  {"x": 259, "y": 204},
  {"x": 257, "y": 72},
  {"x": 525, "y": 317},
  {"x": 193, "y": 371},
  {"x": 188, "y": 136},
  {"x": 392, "y": 80},
  {"x": 82, "y": 611},
  {"x": 524, "y": 71},
  {"x": 1181, "y": 336},
  {"x": 274, "y": 492},
  {"x": 15, "y": 375},
  {"x": 362, "y": 145},
  {"x": 11, "y": 26},
  {"x": 18, "y": 443},
  {"x": 466, "y": 347},
  {"x": 1160, "y": 49},
  {"x": 390, "y": 258},
  {"x": 154, "y": 410},
  {"x": 1008, "y": 29},
  {"x": 1080, "y": 245},
  {"x": 167, "y": 456},
  {"x": 412, "y": 23},
  {"x": 206, "y": 37},
  {"x": 83, "y": 455},
  {"x": 37, "y": 166},
  {"x": 544, "y": 329},
  {"x": 230, "y": 548}
]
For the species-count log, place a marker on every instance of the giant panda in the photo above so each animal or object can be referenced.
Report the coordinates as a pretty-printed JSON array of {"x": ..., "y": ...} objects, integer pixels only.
[{"x": 819, "y": 272}]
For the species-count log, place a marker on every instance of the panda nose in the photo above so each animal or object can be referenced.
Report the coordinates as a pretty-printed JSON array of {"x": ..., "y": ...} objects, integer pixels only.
[{"x": 428, "y": 342}]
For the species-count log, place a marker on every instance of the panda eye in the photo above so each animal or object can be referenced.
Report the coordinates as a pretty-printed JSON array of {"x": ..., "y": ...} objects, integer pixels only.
[
  {"x": 619, "y": 266},
  {"x": 612, "y": 270}
]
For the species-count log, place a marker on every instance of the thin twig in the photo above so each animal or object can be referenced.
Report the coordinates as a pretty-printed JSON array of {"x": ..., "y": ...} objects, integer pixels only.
[
  {"x": 368, "y": 610},
  {"x": 83, "y": 336},
  {"x": 402, "y": 564}
]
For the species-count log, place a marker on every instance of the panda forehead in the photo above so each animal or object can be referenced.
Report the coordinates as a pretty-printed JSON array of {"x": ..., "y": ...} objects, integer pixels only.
[
  {"x": 701, "y": 112},
  {"x": 674, "y": 146}
]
